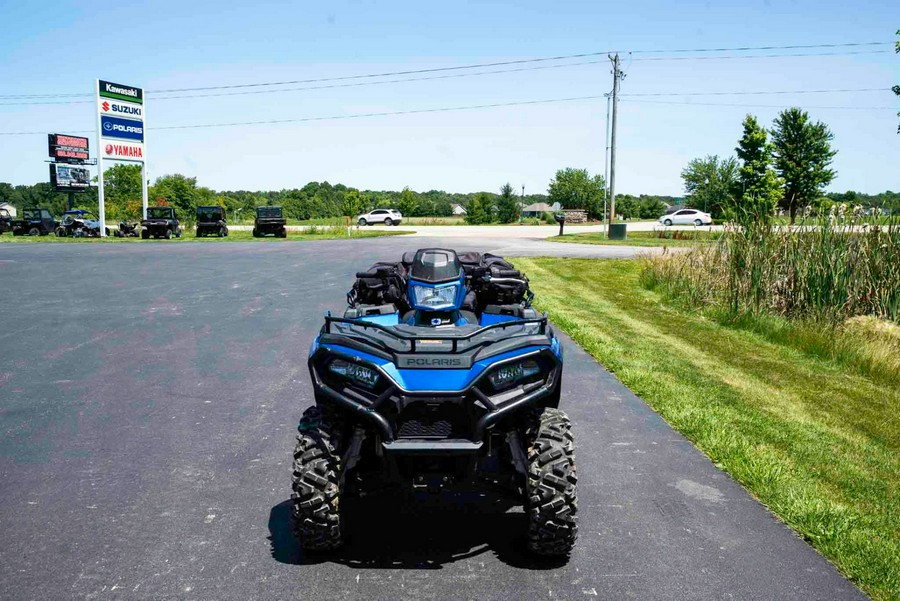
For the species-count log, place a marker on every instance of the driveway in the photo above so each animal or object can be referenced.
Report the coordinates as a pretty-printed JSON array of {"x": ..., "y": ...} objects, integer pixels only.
[{"x": 147, "y": 418}]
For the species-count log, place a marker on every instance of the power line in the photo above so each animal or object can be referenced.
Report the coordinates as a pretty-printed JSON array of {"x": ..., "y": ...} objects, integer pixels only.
[
  {"x": 330, "y": 86},
  {"x": 453, "y": 76},
  {"x": 477, "y": 66},
  {"x": 442, "y": 110},
  {"x": 745, "y": 56},
  {"x": 773, "y": 106},
  {"x": 757, "y": 93}
]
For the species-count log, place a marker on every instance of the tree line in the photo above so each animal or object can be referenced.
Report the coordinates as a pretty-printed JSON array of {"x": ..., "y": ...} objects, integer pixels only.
[
  {"x": 784, "y": 167},
  {"x": 315, "y": 200},
  {"x": 788, "y": 170}
]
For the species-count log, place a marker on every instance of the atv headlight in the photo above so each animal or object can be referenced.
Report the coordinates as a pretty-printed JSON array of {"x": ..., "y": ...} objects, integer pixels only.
[
  {"x": 443, "y": 297},
  {"x": 507, "y": 376},
  {"x": 360, "y": 374}
]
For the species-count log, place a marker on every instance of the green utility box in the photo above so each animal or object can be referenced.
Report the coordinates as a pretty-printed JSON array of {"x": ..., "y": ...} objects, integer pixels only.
[{"x": 617, "y": 231}]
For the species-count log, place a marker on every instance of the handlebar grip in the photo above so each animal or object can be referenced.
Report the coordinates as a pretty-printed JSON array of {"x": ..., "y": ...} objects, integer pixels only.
[{"x": 507, "y": 273}]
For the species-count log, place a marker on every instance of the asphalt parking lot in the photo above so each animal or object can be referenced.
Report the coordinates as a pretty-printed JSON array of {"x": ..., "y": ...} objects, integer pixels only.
[{"x": 149, "y": 395}]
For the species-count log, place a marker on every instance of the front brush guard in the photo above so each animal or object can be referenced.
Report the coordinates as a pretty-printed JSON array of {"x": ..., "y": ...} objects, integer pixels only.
[{"x": 495, "y": 412}]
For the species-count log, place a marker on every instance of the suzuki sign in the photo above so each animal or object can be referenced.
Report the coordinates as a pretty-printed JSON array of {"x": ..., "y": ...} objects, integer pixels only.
[
  {"x": 117, "y": 108},
  {"x": 120, "y": 133}
]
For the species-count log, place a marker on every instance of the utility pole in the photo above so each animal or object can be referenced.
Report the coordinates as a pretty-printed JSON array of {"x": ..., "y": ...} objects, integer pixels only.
[
  {"x": 606, "y": 165},
  {"x": 617, "y": 75},
  {"x": 522, "y": 204}
]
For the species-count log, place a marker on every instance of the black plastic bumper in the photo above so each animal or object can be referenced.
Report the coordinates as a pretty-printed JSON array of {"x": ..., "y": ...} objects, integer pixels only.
[{"x": 496, "y": 411}]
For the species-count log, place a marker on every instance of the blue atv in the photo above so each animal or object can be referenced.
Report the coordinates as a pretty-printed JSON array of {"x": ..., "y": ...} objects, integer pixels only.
[{"x": 438, "y": 375}]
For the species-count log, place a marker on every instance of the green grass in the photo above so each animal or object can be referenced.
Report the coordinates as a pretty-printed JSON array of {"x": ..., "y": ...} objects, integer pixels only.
[
  {"x": 814, "y": 439},
  {"x": 233, "y": 236},
  {"x": 640, "y": 239}
]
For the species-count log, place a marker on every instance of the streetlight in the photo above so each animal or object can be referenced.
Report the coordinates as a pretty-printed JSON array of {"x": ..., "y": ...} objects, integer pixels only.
[{"x": 236, "y": 211}]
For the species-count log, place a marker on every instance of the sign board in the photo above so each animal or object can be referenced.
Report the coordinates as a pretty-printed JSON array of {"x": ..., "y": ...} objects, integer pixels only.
[
  {"x": 69, "y": 178},
  {"x": 120, "y": 132},
  {"x": 122, "y": 151},
  {"x": 117, "y": 108},
  {"x": 68, "y": 149},
  {"x": 116, "y": 91},
  {"x": 115, "y": 127}
]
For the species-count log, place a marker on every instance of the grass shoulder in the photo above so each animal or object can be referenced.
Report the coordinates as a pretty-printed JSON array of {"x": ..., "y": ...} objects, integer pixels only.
[
  {"x": 668, "y": 238},
  {"x": 814, "y": 440},
  {"x": 233, "y": 236}
]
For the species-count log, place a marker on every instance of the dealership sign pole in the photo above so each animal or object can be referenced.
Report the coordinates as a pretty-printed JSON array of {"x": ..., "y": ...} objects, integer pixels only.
[{"x": 120, "y": 134}]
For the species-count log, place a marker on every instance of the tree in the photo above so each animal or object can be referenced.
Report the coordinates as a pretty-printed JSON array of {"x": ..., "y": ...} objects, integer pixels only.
[
  {"x": 508, "y": 209},
  {"x": 407, "y": 203},
  {"x": 479, "y": 209},
  {"x": 179, "y": 191},
  {"x": 353, "y": 203},
  {"x": 121, "y": 184},
  {"x": 650, "y": 207},
  {"x": 802, "y": 155},
  {"x": 757, "y": 189},
  {"x": 576, "y": 189},
  {"x": 709, "y": 182}
]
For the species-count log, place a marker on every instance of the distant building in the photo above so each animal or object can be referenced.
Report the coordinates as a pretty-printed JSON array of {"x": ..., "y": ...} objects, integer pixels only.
[
  {"x": 539, "y": 208},
  {"x": 8, "y": 207},
  {"x": 458, "y": 209}
]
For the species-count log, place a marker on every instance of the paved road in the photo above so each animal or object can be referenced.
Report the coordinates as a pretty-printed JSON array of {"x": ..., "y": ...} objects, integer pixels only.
[
  {"x": 148, "y": 399},
  {"x": 495, "y": 232}
]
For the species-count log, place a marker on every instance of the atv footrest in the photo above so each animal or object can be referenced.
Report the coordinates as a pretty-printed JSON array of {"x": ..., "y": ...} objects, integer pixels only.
[{"x": 450, "y": 446}]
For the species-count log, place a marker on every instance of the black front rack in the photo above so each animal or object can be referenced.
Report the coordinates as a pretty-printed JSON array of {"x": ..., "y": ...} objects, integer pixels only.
[{"x": 454, "y": 339}]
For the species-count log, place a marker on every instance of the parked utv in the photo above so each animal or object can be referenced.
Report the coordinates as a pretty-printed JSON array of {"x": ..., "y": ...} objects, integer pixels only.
[
  {"x": 161, "y": 222},
  {"x": 128, "y": 229},
  {"x": 439, "y": 374},
  {"x": 211, "y": 221},
  {"x": 269, "y": 220},
  {"x": 79, "y": 224},
  {"x": 34, "y": 222},
  {"x": 5, "y": 221}
]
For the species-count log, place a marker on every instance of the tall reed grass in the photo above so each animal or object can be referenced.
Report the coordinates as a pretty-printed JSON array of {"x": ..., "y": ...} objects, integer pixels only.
[
  {"x": 825, "y": 272},
  {"x": 831, "y": 289}
]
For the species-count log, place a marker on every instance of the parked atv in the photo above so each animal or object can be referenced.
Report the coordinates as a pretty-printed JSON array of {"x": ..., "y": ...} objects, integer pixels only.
[
  {"x": 161, "y": 222},
  {"x": 128, "y": 229},
  {"x": 79, "y": 224},
  {"x": 34, "y": 222},
  {"x": 269, "y": 220},
  {"x": 211, "y": 221},
  {"x": 439, "y": 374},
  {"x": 5, "y": 221}
]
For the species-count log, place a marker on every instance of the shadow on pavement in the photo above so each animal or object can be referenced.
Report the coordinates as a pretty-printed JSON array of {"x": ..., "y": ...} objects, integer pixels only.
[{"x": 400, "y": 532}]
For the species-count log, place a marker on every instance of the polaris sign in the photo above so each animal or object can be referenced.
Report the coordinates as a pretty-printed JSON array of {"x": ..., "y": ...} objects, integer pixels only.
[{"x": 114, "y": 127}]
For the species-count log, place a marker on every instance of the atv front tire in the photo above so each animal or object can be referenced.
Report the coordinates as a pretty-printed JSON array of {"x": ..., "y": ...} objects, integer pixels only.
[
  {"x": 552, "y": 502},
  {"x": 315, "y": 515}
]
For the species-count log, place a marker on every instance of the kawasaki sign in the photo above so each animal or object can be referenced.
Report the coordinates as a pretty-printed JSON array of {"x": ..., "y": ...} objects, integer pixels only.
[
  {"x": 120, "y": 133},
  {"x": 117, "y": 91}
]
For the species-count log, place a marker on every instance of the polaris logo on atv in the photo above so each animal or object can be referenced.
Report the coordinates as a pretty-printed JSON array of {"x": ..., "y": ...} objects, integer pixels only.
[{"x": 433, "y": 362}]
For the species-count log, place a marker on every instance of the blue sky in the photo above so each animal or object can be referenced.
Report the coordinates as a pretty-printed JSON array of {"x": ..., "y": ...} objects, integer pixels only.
[{"x": 62, "y": 47}]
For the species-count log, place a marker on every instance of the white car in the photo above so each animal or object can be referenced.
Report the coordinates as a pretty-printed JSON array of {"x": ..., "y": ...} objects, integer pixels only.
[
  {"x": 385, "y": 216},
  {"x": 686, "y": 217}
]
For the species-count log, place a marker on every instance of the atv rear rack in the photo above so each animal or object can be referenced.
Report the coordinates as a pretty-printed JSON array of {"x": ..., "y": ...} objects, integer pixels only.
[{"x": 454, "y": 339}]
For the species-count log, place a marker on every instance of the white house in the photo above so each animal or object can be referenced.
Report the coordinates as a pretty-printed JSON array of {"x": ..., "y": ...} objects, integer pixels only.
[
  {"x": 458, "y": 209},
  {"x": 8, "y": 207}
]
